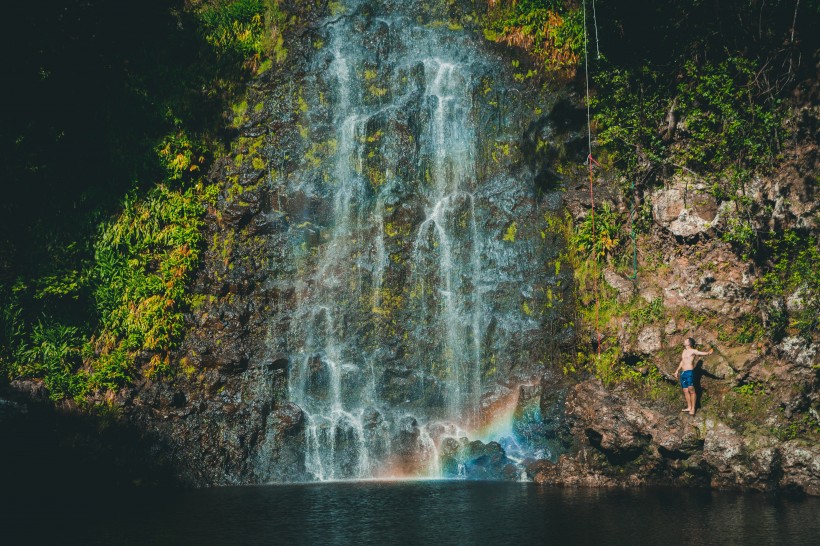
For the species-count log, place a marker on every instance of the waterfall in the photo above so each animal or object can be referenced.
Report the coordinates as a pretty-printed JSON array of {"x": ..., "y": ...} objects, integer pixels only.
[{"x": 407, "y": 316}]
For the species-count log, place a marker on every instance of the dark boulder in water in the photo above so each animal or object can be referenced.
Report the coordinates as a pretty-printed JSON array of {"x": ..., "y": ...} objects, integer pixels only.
[{"x": 485, "y": 461}]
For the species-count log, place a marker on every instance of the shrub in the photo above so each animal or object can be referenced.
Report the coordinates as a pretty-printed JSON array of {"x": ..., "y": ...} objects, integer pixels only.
[
  {"x": 245, "y": 30},
  {"x": 53, "y": 353},
  {"x": 794, "y": 257},
  {"x": 607, "y": 237},
  {"x": 142, "y": 262},
  {"x": 550, "y": 31}
]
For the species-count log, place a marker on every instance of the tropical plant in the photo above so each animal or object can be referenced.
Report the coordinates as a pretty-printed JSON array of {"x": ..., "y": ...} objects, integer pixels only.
[{"x": 599, "y": 234}]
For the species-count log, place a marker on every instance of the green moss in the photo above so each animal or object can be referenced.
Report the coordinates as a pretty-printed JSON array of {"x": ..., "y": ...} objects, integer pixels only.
[
  {"x": 187, "y": 367},
  {"x": 240, "y": 108},
  {"x": 320, "y": 151},
  {"x": 377, "y": 91},
  {"x": 509, "y": 234},
  {"x": 390, "y": 230},
  {"x": 376, "y": 176},
  {"x": 335, "y": 7},
  {"x": 375, "y": 137},
  {"x": 302, "y": 105},
  {"x": 386, "y": 302},
  {"x": 500, "y": 150},
  {"x": 266, "y": 65}
]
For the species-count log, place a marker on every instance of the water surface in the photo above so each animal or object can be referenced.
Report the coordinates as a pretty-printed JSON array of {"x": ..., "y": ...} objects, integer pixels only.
[{"x": 431, "y": 512}]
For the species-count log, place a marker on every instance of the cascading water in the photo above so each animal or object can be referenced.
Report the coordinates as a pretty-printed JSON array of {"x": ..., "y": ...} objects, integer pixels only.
[{"x": 417, "y": 288}]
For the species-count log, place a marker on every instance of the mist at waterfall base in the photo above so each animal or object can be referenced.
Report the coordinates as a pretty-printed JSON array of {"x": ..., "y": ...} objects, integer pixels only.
[
  {"x": 427, "y": 294},
  {"x": 416, "y": 512}
]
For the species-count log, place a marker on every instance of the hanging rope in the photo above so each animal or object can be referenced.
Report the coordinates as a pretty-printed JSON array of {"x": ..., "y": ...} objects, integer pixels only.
[
  {"x": 595, "y": 22},
  {"x": 590, "y": 162}
]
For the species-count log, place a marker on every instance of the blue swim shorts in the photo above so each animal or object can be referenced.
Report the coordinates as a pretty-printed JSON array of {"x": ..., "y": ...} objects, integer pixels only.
[{"x": 687, "y": 378}]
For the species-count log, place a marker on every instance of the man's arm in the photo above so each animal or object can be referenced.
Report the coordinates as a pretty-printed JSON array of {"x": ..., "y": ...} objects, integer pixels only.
[{"x": 701, "y": 353}]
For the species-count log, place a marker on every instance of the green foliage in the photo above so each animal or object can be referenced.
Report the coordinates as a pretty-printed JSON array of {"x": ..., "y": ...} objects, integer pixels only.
[
  {"x": 730, "y": 124},
  {"x": 746, "y": 406},
  {"x": 749, "y": 389},
  {"x": 647, "y": 313},
  {"x": 143, "y": 259},
  {"x": 693, "y": 317},
  {"x": 142, "y": 262},
  {"x": 794, "y": 272},
  {"x": 802, "y": 425},
  {"x": 53, "y": 352},
  {"x": 246, "y": 30},
  {"x": 730, "y": 127},
  {"x": 95, "y": 255},
  {"x": 749, "y": 329},
  {"x": 110, "y": 370},
  {"x": 628, "y": 111},
  {"x": 741, "y": 233},
  {"x": 235, "y": 28},
  {"x": 181, "y": 158},
  {"x": 608, "y": 368},
  {"x": 605, "y": 241},
  {"x": 12, "y": 330},
  {"x": 641, "y": 378},
  {"x": 552, "y": 31}
]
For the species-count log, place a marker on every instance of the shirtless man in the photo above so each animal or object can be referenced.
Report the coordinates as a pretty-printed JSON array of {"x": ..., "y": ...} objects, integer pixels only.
[{"x": 686, "y": 369}]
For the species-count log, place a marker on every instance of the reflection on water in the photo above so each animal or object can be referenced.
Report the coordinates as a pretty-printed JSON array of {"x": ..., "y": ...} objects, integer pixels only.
[{"x": 424, "y": 512}]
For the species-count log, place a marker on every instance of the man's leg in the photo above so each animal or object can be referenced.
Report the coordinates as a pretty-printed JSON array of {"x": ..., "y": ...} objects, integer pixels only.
[
  {"x": 686, "y": 399},
  {"x": 692, "y": 399}
]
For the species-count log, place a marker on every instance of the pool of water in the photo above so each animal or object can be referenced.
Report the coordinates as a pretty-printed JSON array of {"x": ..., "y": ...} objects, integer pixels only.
[{"x": 431, "y": 512}]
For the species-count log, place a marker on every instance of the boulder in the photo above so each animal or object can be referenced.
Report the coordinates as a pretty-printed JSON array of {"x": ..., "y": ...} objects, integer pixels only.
[
  {"x": 288, "y": 418},
  {"x": 486, "y": 461},
  {"x": 649, "y": 340},
  {"x": 685, "y": 209},
  {"x": 800, "y": 467},
  {"x": 625, "y": 288}
]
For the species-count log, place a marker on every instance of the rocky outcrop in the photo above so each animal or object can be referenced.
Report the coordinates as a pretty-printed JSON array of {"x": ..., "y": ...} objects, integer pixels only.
[
  {"x": 685, "y": 209},
  {"x": 758, "y": 425},
  {"x": 622, "y": 442},
  {"x": 625, "y": 288}
]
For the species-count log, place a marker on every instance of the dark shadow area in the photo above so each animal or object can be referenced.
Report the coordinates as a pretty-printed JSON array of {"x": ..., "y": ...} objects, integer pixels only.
[
  {"x": 645, "y": 31},
  {"x": 50, "y": 458},
  {"x": 632, "y": 360},
  {"x": 558, "y": 136},
  {"x": 90, "y": 89},
  {"x": 700, "y": 372}
]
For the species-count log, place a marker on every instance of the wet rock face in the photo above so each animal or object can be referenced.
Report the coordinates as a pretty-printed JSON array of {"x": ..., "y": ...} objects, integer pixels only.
[
  {"x": 476, "y": 460},
  {"x": 419, "y": 258},
  {"x": 485, "y": 461}
]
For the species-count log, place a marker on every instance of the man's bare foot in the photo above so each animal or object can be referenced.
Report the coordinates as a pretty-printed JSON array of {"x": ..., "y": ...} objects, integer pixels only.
[
  {"x": 685, "y": 410},
  {"x": 692, "y": 413}
]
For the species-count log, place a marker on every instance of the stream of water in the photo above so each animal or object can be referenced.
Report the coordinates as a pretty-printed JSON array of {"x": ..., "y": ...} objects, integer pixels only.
[{"x": 422, "y": 299}]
